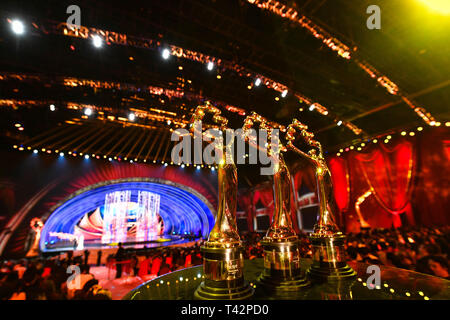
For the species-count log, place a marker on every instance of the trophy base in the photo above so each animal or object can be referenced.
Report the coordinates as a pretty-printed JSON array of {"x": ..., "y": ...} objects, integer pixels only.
[
  {"x": 328, "y": 272},
  {"x": 230, "y": 291},
  {"x": 329, "y": 262},
  {"x": 282, "y": 285},
  {"x": 224, "y": 277},
  {"x": 282, "y": 267}
]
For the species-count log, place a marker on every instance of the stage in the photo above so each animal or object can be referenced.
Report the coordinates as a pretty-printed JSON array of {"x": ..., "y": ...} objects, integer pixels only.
[
  {"x": 160, "y": 241},
  {"x": 396, "y": 284}
]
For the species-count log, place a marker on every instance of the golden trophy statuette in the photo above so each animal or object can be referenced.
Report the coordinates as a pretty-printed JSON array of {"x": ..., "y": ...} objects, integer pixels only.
[
  {"x": 281, "y": 245},
  {"x": 223, "y": 258},
  {"x": 328, "y": 251}
]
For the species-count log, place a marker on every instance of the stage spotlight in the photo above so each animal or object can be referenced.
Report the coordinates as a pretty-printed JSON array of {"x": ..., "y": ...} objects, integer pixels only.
[
  {"x": 284, "y": 93},
  {"x": 17, "y": 125},
  {"x": 210, "y": 66},
  {"x": 419, "y": 129},
  {"x": 61, "y": 154},
  {"x": 35, "y": 151},
  {"x": 97, "y": 41},
  {"x": 52, "y": 107},
  {"x": 198, "y": 167},
  {"x": 131, "y": 116},
  {"x": 88, "y": 111},
  {"x": 212, "y": 169},
  {"x": 182, "y": 165},
  {"x": 411, "y": 133},
  {"x": 257, "y": 82},
  {"x": 17, "y": 27},
  {"x": 437, "y": 124},
  {"x": 403, "y": 133},
  {"x": 165, "y": 164},
  {"x": 86, "y": 156},
  {"x": 311, "y": 108},
  {"x": 339, "y": 123},
  {"x": 438, "y": 6},
  {"x": 166, "y": 54}
]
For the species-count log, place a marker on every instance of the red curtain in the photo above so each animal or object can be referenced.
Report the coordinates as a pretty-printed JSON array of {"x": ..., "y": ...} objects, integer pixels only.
[
  {"x": 245, "y": 202},
  {"x": 341, "y": 183},
  {"x": 265, "y": 195},
  {"x": 388, "y": 173},
  {"x": 431, "y": 196}
]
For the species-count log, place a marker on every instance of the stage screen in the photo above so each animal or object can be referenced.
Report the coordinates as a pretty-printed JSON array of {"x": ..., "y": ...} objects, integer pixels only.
[{"x": 127, "y": 212}]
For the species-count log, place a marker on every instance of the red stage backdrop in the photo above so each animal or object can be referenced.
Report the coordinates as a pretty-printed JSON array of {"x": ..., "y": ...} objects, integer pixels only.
[{"x": 409, "y": 178}]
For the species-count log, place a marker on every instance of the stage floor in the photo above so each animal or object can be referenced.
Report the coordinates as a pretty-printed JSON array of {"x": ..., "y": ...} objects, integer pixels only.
[
  {"x": 396, "y": 284},
  {"x": 118, "y": 287}
]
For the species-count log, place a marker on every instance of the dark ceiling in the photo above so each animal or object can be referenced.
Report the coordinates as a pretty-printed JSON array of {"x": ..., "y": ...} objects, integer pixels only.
[{"x": 412, "y": 48}]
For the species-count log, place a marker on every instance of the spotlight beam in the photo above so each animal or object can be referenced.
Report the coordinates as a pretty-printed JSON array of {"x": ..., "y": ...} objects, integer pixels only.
[
  {"x": 160, "y": 145},
  {"x": 136, "y": 143},
  {"x": 135, "y": 133}
]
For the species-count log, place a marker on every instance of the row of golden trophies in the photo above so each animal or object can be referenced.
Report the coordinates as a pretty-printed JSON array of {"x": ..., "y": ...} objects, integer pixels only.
[{"x": 223, "y": 259}]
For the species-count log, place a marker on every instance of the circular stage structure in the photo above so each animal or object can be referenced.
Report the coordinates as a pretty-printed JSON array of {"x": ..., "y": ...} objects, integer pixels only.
[
  {"x": 135, "y": 212},
  {"x": 395, "y": 284}
]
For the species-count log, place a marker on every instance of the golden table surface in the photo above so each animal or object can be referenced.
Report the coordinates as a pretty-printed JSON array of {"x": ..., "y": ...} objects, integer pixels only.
[{"x": 395, "y": 284}]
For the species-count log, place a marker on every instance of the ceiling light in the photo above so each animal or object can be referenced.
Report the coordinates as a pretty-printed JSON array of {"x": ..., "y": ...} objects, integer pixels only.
[
  {"x": 88, "y": 111},
  {"x": 52, "y": 107},
  {"x": 131, "y": 116},
  {"x": 257, "y": 82},
  {"x": 17, "y": 27},
  {"x": 284, "y": 93},
  {"x": 210, "y": 66},
  {"x": 97, "y": 41},
  {"x": 339, "y": 123},
  {"x": 166, "y": 54}
]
